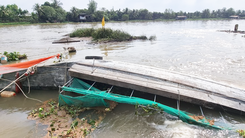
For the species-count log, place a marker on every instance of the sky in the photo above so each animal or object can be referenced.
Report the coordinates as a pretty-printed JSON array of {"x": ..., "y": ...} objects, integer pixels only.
[{"x": 151, "y": 5}]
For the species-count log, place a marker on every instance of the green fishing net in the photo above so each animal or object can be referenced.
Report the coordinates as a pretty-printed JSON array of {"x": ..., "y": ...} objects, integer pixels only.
[{"x": 91, "y": 97}]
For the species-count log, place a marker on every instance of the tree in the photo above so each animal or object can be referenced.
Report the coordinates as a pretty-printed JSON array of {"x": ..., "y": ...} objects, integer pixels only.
[
  {"x": 48, "y": 14},
  {"x": 125, "y": 17},
  {"x": 180, "y": 13},
  {"x": 113, "y": 15},
  {"x": 148, "y": 16},
  {"x": 157, "y": 15},
  {"x": 143, "y": 14},
  {"x": 37, "y": 9},
  {"x": 98, "y": 15},
  {"x": 169, "y": 14},
  {"x": 60, "y": 15},
  {"x": 238, "y": 12},
  {"x": 46, "y": 4},
  {"x": 125, "y": 11},
  {"x": 34, "y": 18},
  {"x": 73, "y": 14},
  {"x": 133, "y": 15},
  {"x": 197, "y": 14},
  {"x": 12, "y": 12},
  {"x": 213, "y": 14},
  {"x": 51, "y": 12},
  {"x": 56, "y": 4},
  {"x": 3, "y": 13},
  {"x": 206, "y": 13},
  {"x": 230, "y": 12},
  {"x": 223, "y": 11},
  {"x": 92, "y": 6},
  {"x": 119, "y": 14}
]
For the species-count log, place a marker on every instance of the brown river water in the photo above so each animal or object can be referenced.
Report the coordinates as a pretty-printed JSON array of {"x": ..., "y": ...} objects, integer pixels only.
[{"x": 191, "y": 47}]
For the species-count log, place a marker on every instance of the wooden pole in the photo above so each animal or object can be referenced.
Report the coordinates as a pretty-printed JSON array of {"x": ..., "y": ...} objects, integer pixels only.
[{"x": 236, "y": 28}]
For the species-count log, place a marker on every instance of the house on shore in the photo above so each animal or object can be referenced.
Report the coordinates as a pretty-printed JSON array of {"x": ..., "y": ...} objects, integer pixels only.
[
  {"x": 234, "y": 17},
  {"x": 181, "y": 18},
  {"x": 83, "y": 17}
]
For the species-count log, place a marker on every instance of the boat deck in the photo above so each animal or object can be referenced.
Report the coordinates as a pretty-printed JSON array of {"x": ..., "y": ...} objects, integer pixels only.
[{"x": 161, "y": 82}]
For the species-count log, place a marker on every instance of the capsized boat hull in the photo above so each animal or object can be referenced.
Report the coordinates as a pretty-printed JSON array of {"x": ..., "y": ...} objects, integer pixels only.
[{"x": 161, "y": 82}]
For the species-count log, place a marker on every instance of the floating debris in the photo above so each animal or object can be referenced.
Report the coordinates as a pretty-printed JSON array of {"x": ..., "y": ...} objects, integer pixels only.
[
  {"x": 66, "y": 40},
  {"x": 241, "y": 133},
  {"x": 63, "y": 121},
  {"x": 235, "y": 30},
  {"x": 230, "y": 31}
]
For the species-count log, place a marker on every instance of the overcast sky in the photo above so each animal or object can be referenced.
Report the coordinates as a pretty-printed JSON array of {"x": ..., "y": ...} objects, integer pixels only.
[{"x": 151, "y": 5}]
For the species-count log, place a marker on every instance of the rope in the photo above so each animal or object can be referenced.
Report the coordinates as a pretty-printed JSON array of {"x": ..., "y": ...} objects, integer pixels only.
[
  {"x": 27, "y": 96},
  {"x": 6, "y": 80},
  {"x": 29, "y": 70},
  {"x": 12, "y": 82},
  {"x": 29, "y": 86},
  {"x": 223, "y": 119}
]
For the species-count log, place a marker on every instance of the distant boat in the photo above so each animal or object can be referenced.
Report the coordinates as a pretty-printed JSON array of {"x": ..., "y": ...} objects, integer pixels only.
[{"x": 181, "y": 18}]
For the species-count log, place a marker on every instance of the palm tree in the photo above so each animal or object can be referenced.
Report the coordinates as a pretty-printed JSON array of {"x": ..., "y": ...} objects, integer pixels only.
[
  {"x": 92, "y": 6},
  {"x": 56, "y": 4},
  {"x": 37, "y": 8},
  {"x": 4, "y": 12},
  {"x": 74, "y": 13}
]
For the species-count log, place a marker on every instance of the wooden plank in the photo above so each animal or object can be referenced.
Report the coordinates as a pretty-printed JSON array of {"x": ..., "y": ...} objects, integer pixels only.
[{"x": 154, "y": 85}]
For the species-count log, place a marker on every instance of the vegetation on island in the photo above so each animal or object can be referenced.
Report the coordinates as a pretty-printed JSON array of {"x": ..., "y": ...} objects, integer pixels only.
[
  {"x": 106, "y": 35},
  {"x": 53, "y": 12},
  {"x": 14, "y": 56}
]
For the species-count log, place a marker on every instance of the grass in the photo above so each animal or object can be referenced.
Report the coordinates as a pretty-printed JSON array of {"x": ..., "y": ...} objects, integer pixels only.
[
  {"x": 105, "y": 35},
  {"x": 15, "y": 23},
  {"x": 111, "y": 35},
  {"x": 84, "y": 32}
]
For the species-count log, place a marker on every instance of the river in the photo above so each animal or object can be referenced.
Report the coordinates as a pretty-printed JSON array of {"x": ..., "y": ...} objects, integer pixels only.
[{"x": 190, "y": 47}]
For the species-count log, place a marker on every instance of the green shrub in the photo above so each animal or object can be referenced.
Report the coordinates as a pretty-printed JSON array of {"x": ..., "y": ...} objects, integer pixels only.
[
  {"x": 84, "y": 32},
  {"x": 120, "y": 36},
  {"x": 142, "y": 37},
  {"x": 111, "y": 35},
  {"x": 102, "y": 33},
  {"x": 105, "y": 34},
  {"x": 14, "y": 56}
]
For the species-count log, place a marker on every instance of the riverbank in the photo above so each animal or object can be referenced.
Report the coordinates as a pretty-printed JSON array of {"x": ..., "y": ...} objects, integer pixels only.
[
  {"x": 16, "y": 23},
  {"x": 128, "y": 21}
]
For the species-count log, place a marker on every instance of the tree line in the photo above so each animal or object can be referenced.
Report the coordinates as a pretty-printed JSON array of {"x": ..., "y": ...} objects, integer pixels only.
[{"x": 53, "y": 12}]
